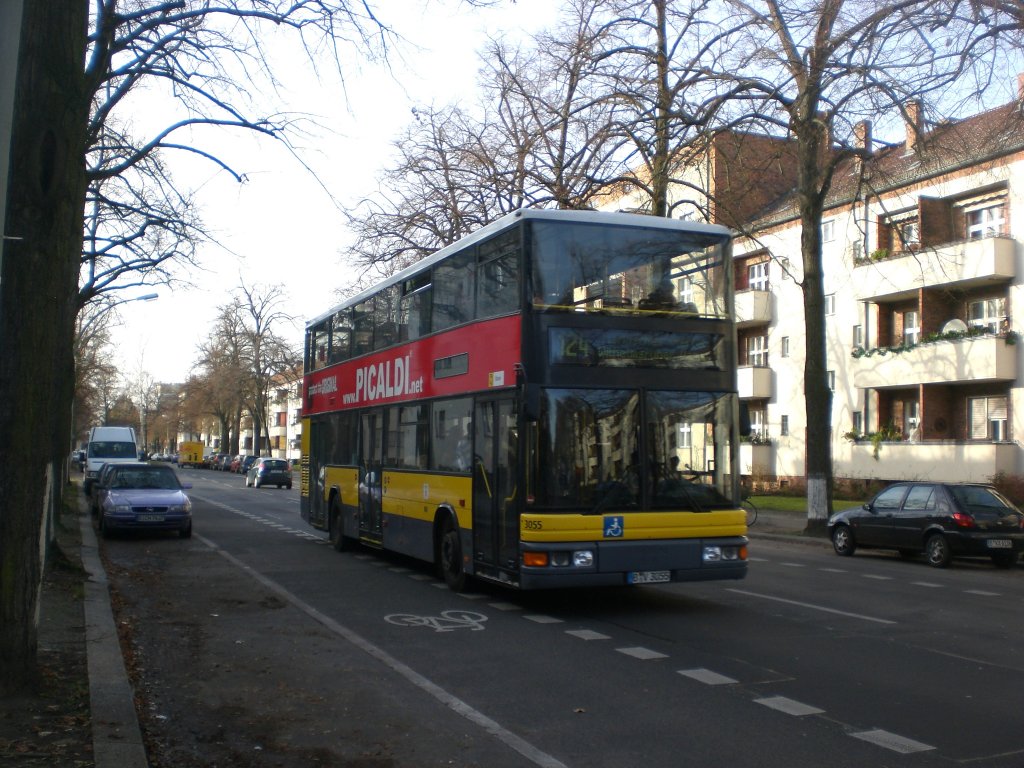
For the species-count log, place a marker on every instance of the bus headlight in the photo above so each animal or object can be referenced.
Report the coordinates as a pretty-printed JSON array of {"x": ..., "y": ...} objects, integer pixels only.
[
  {"x": 716, "y": 553},
  {"x": 583, "y": 558}
]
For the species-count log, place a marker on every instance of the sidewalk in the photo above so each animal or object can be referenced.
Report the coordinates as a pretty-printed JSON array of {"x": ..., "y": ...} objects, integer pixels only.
[{"x": 116, "y": 736}]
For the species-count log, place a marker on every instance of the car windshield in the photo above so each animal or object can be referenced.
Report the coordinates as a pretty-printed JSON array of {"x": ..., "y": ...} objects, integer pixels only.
[
  {"x": 146, "y": 477},
  {"x": 102, "y": 449},
  {"x": 980, "y": 501}
]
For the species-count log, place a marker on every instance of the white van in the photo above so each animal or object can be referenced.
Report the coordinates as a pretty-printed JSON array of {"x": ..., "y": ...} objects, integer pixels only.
[{"x": 108, "y": 445}]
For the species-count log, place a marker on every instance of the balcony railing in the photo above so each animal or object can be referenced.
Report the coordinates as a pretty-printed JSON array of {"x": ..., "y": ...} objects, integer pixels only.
[
  {"x": 753, "y": 308},
  {"x": 927, "y": 460},
  {"x": 973, "y": 358},
  {"x": 961, "y": 263},
  {"x": 754, "y": 382}
]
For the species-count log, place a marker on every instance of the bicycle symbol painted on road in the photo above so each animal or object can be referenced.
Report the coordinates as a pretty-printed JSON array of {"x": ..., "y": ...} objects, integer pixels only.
[{"x": 448, "y": 621}]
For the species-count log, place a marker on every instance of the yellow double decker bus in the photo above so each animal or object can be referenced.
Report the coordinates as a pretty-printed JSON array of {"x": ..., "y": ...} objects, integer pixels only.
[{"x": 549, "y": 402}]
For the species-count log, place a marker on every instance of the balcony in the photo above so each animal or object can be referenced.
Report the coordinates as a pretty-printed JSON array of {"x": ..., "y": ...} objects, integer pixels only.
[
  {"x": 929, "y": 460},
  {"x": 971, "y": 359},
  {"x": 753, "y": 308},
  {"x": 967, "y": 263},
  {"x": 754, "y": 382},
  {"x": 756, "y": 459}
]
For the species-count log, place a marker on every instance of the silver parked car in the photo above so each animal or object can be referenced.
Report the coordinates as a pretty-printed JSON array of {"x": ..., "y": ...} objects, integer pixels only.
[{"x": 144, "y": 497}]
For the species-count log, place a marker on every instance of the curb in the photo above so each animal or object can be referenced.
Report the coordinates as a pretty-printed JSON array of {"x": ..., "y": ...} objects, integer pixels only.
[{"x": 116, "y": 736}]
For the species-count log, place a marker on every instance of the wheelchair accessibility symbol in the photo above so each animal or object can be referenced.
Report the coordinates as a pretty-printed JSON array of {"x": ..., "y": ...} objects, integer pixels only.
[
  {"x": 448, "y": 621},
  {"x": 613, "y": 527}
]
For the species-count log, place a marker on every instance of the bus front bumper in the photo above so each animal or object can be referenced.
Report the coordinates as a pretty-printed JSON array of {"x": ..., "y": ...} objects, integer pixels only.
[{"x": 625, "y": 563}]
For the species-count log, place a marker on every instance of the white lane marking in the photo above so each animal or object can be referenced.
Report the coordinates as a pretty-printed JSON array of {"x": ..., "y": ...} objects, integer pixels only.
[
  {"x": 507, "y": 737},
  {"x": 542, "y": 619},
  {"x": 793, "y": 565},
  {"x": 707, "y": 677},
  {"x": 789, "y": 706},
  {"x": 505, "y": 606},
  {"x": 587, "y": 634},
  {"x": 833, "y": 570},
  {"x": 876, "y": 577},
  {"x": 930, "y": 584},
  {"x": 644, "y": 654},
  {"x": 982, "y": 592},
  {"x": 891, "y": 741},
  {"x": 812, "y": 606}
]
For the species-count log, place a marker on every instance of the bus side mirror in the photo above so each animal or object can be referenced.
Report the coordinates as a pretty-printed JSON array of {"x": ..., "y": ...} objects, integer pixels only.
[
  {"x": 744, "y": 420},
  {"x": 531, "y": 402}
]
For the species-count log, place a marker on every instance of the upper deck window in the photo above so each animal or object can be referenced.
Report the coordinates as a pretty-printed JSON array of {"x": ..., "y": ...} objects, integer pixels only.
[{"x": 626, "y": 270}]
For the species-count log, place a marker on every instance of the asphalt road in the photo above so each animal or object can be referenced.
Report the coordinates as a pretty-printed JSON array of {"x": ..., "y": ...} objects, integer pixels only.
[{"x": 812, "y": 660}]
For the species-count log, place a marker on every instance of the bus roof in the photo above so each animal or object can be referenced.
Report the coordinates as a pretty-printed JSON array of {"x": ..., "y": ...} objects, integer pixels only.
[{"x": 541, "y": 214}]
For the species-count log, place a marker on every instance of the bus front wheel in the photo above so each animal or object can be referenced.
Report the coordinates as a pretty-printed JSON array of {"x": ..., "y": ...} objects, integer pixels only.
[{"x": 450, "y": 547}]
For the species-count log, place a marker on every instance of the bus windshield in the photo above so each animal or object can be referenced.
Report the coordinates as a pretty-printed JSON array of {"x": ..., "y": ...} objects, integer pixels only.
[
  {"x": 598, "y": 450},
  {"x": 587, "y": 267}
]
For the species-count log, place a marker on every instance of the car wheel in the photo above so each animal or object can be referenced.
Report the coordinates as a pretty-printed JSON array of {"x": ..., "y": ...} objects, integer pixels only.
[
  {"x": 842, "y": 541},
  {"x": 289, "y": 486},
  {"x": 1005, "y": 559},
  {"x": 104, "y": 528},
  {"x": 186, "y": 532},
  {"x": 450, "y": 547},
  {"x": 937, "y": 550},
  {"x": 247, "y": 481},
  {"x": 256, "y": 483}
]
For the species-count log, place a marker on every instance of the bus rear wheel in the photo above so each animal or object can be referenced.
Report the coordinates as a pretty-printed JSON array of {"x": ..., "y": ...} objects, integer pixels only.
[
  {"x": 450, "y": 561},
  {"x": 335, "y": 529}
]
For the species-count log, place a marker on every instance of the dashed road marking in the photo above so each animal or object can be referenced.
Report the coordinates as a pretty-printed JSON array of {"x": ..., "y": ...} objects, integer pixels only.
[
  {"x": 644, "y": 654},
  {"x": 707, "y": 677},
  {"x": 587, "y": 634},
  {"x": 982, "y": 592},
  {"x": 892, "y": 741},
  {"x": 789, "y": 706},
  {"x": 542, "y": 619}
]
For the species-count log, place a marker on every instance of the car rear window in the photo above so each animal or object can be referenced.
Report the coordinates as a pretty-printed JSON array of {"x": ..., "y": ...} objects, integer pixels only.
[
  {"x": 276, "y": 464},
  {"x": 981, "y": 501}
]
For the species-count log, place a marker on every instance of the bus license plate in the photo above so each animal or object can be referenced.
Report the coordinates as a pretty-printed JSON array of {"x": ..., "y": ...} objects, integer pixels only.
[
  {"x": 649, "y": 577},
  {"x": 150, "y": 518},
  {"x": 1000, "y": 544}
]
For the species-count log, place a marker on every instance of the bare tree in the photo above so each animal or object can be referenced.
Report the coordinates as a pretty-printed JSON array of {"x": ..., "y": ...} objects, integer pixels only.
[{"x": 201, "y": 53}]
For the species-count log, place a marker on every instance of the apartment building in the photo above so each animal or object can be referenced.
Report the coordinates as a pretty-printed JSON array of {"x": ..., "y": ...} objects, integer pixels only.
[{"x": 923, "y": 274}]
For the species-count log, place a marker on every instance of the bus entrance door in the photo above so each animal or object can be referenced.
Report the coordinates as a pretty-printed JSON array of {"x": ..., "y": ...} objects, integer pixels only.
[
  {"x": 495, "y": 502},
  {"x": 315, "y": 486},
  {"x": 370, "y": 477}
]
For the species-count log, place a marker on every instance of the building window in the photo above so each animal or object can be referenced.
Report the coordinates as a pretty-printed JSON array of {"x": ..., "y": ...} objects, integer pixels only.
[
  {"x": 686, "y": 291},
  {"x": 685, "y": 435},
  {"x": 757, "y": 351},
  {"x": 858, "y": 336},
  {"x": 785, "y": 346},
  {"x": 757, "y": 276},
  {"x": 758, "y": 424},
  {"x": 830, "y": 303},
  {"x": 987, "y": 314},
  {"x": 912, "y": 419},
  {"x": 830, "y": 376},
  {"x": 988, "y": 418},
  {"x": 911, "y": 327},
  {"x": 784, "y": 426},
  {"x": 828, "y": 231},
  {"x": 985, "y": 221},
  {"x": 909, "y": 233},
  {"x": 858, "y": 422}
]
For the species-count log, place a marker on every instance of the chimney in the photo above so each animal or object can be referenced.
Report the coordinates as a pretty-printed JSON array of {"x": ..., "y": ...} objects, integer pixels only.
[
  {"x": 862, "y": 135},
  {"x": 912, "y": 111}
]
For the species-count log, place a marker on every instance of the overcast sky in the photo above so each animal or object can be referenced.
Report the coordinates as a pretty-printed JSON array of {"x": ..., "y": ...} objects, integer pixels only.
[{"x": 281, "y": 226}]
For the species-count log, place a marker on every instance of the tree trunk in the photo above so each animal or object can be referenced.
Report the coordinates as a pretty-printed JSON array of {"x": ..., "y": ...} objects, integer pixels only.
[
  {"x": 817, "y": 394},
  {"x": 38, "y": 295}
]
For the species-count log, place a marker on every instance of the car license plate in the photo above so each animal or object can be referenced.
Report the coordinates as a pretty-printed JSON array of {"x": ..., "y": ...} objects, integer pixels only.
[
  {"x": 150, "y": 518},
  {"x": 649, "y": 577},
  {"x": 1000, "y": 544}
]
